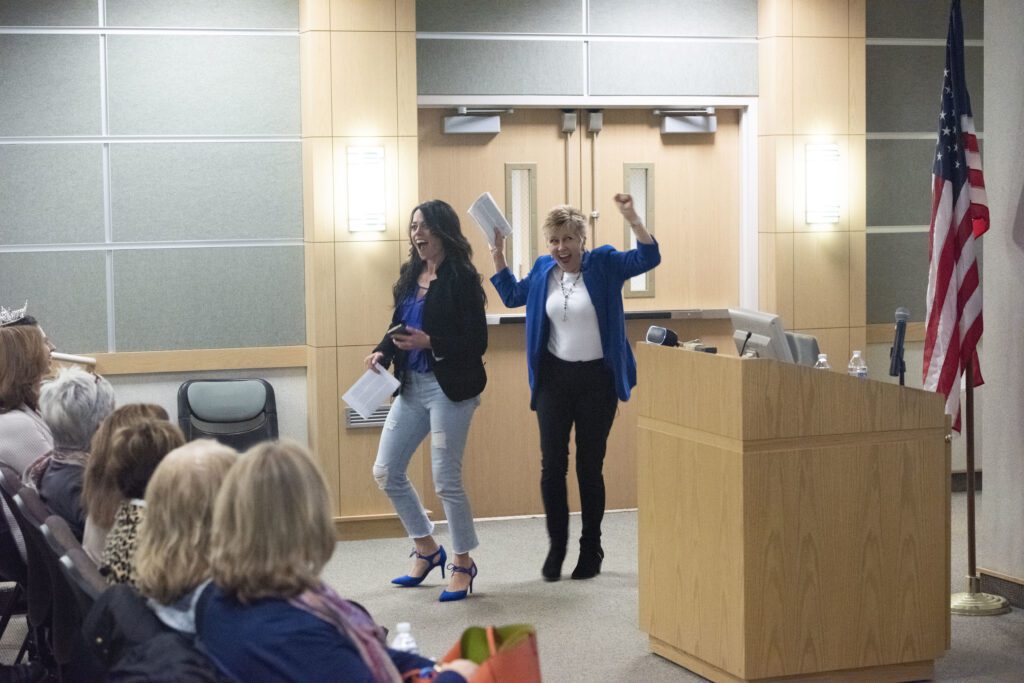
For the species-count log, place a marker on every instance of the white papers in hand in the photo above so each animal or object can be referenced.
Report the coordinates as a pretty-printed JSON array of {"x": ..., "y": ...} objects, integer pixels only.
[
  {"x": 370, "y": 391},
  {"x": 489, "y": 217}
]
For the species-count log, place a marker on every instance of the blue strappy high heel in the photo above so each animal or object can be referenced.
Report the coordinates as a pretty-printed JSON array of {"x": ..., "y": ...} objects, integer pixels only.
[
  {"x": 436, "y": 560},
  {"x": 451, "y": 596}
]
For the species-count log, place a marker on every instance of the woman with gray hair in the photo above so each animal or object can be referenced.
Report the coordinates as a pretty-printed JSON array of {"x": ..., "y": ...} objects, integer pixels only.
[{"x": 73, "y": 405}]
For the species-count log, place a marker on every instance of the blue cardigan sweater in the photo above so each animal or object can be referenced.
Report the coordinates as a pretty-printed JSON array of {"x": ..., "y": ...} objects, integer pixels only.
[{"x": 605, "y": 270}]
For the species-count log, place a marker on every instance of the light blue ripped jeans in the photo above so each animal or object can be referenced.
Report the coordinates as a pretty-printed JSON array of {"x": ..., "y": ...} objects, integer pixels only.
[{"x": 420, "y": 409}]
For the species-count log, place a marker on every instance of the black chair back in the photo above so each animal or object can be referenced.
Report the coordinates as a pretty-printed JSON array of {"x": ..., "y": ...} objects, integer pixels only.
[
  {"x": 38, "y": 588},
  {"x": 236, "y": 412},
  {"x": 12, "y": 566},
  {"x": 83, "y": 573}
]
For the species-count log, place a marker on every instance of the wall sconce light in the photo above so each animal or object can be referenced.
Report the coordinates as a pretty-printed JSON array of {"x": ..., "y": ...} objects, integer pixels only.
[
  {"x": 367, "y": 191},
  {"x": 823, "y": 183}
]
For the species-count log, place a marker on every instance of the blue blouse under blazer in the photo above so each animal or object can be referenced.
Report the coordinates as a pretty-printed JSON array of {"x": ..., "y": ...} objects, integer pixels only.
[{"x": 605, "y": 270}]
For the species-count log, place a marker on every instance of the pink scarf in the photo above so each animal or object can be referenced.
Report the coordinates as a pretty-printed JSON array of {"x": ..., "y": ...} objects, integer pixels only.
[{"x": 351, "y": 621}]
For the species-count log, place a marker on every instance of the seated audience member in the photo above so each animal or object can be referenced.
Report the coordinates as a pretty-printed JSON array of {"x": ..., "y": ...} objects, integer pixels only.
[
  {"x": 268, "y": 616},
  {"x": 172, "y": 560},
  {"x": 135, "y": 452},
  {"x": 73, "y": 404},
  {"x": 24, "y": 436},
  {"x": 99, "y": 490}
]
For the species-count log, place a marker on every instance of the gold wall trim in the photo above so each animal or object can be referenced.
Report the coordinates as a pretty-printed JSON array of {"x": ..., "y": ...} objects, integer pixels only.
[
  {"x": 881, "y": 333},
  {"x": 147, "y": 362}
]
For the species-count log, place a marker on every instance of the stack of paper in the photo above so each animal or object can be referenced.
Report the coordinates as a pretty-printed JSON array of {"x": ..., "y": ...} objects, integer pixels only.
[
  {"x": 370, "y": 391},
  {"x": 489, "y": 217}
]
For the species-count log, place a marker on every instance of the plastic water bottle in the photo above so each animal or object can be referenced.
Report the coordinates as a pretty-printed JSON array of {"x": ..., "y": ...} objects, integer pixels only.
[
  {"x": 857, "y": 366},
  {"x": 822, "y": 363},
  {"x": 403, "y": 640}
]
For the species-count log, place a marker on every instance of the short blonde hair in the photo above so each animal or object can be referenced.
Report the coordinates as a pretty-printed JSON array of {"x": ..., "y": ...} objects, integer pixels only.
[
  {"x": 564, "y": 218},
  {"x": 173, "y": 554},
  {"x": 272, "y": 527},
  {"x": 100, "y": 493}
]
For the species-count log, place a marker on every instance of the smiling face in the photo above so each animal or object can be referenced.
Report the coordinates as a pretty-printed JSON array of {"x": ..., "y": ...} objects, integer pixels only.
[
  {"x": 427, "y": 244},
  {"x": 566, "y": 247}
]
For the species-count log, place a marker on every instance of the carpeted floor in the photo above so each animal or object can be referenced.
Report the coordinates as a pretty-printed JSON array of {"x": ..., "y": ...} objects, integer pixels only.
[{"x": 588, "y": 629}]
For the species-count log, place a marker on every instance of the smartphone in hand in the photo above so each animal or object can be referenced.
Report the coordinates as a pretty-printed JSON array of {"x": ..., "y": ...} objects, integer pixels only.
[{"x": 400, "y": 328}]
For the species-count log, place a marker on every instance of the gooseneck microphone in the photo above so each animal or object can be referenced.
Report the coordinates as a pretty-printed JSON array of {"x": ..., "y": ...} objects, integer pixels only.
[{"x": 897, "y": 368}]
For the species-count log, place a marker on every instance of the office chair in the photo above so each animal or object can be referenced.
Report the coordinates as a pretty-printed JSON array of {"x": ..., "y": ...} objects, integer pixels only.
[{"x": 237, "y": 412}]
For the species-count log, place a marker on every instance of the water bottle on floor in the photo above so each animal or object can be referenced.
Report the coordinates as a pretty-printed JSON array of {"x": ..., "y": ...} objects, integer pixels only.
[
  {"x": 857, "y": 366},
  {"x": 822, "y": 363},
  {"x": 403, "y": 640}
]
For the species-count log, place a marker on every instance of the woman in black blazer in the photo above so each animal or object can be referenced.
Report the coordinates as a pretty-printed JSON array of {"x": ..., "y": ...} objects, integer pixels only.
[{"x": 437, "y": 341}]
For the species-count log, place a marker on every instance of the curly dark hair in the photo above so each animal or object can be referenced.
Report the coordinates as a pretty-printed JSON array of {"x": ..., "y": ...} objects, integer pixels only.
[{"x": 444, "y": 223}]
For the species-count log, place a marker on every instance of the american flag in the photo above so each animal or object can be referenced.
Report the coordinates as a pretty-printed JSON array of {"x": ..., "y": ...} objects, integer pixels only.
[{"x": 959, "y": 215}]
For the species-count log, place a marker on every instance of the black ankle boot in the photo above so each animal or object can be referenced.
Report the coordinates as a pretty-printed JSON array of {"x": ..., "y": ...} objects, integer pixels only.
[
  {"x": 589, "y": 564},
  {"x": 552, "y": 569}
]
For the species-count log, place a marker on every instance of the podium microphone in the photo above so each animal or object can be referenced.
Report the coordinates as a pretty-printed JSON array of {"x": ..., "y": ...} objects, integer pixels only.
[
  {"x": 662, "y": 336},
  {"x": 897, "y": 367}
]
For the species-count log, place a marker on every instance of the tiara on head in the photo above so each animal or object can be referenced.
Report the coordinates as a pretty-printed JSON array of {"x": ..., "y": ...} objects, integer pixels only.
[{"x": 11, "y": 316}]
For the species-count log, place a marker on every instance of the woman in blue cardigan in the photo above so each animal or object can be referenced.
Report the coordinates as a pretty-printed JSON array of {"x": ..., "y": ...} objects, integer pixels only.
[{"x": 580, "y": 364}]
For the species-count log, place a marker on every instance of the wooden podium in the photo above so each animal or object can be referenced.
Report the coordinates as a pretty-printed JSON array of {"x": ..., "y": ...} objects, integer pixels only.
[{"x": 793, "y": 523}]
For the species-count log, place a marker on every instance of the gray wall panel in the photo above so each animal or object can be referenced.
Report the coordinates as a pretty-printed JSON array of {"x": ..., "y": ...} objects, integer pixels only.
[
  {"x": 897, "y": 275},
  {"x": 499, "y": 67},
  {"x": 209, "y": 298},
  {"x": 279, "y": 14},
  {"x": 49, "y": 85},
  {"x": 48, "y": 13},
  {"x": 51, "y": 194},
  {"x": 500, "y": 16},
  {"x": 674, "y": 18},
  {"x": 187, "y": 191},
  {"x": 66, "y": 292},
  {"x": 920, "y": 18},
  {"x": 203, "y": 85},
  {"x": 899, "y": 187},
  {"x": 698, "y": 68},
  {"x": 903, "y": 84}
]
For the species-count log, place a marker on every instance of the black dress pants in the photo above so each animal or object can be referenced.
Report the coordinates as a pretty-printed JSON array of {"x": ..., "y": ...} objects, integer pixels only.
[{"x": 567, "y": 394}]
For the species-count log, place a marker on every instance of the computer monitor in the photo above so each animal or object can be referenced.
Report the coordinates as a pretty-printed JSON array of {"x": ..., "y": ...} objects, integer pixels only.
[{"x": 760, "y": 334}]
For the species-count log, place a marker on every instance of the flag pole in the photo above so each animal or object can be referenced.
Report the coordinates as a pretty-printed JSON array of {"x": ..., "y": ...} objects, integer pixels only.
[{"x": 973, "y": 602}]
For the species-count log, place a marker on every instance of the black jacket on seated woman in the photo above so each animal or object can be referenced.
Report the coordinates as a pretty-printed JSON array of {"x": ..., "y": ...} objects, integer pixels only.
[{"x": 133, "y": 645}]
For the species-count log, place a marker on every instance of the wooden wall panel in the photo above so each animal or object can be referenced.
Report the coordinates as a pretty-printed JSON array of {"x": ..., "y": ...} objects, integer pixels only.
[
  {"x": 774, "y": 18},
  {"x": 821, "y": 19},
  {"x": 775, "y": 78},
  {"x": 858, "y": 86},
  {"x": 314, "y": 15},
  {"x": 405, "y": 45},
  {"x": 321, "y": 306},
  {"x": 323, "y": 406},
  {"x": 365, "y": 97},
  {"x": 315, "y": 83},
  {"x": 821, "y": 86},
  {"x": 365, "y": 273},
  {"x": 362, "y": 15},
  {"x": 775, "y": 274},
  {"x": 318, "y": 189},
  {"x": 821, "y": 279}
]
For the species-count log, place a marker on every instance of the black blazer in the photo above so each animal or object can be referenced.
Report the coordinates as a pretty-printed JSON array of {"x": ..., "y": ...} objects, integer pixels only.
[{"x": 453, "y": 316}]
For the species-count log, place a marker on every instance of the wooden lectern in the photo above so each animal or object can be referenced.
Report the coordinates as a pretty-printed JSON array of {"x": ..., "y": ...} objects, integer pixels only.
[{"x": 793, "y": 523}]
